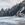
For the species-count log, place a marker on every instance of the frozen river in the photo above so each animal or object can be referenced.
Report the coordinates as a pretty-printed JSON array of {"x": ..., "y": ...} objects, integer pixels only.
[{"x": 11, "y": 20}]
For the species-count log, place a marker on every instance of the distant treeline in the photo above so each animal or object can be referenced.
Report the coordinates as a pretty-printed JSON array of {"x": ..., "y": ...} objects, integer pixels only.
[
  {"x": 9, "y": 12},
  {"x": 12, "y": 11}
]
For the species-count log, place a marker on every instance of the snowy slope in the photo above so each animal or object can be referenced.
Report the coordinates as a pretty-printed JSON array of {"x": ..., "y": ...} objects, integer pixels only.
[{"x": 12, "y": 20}]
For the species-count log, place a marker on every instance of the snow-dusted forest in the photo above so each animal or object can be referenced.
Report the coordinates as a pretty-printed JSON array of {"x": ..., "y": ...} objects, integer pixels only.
[{"x": 17, "y": 10}]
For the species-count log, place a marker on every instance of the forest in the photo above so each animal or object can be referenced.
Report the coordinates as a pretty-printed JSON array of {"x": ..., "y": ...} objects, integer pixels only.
[{"x": 13, "y": 11}]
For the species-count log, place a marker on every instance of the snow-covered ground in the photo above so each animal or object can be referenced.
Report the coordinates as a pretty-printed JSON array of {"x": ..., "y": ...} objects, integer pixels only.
[{"x": 12, "y": 20}]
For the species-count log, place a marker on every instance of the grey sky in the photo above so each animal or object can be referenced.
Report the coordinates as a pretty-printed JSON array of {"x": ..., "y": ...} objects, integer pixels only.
[{"x": 8, "y": 3}]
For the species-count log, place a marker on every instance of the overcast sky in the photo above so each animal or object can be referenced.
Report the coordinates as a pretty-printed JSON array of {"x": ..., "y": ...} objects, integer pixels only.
[{"x": 8, "y": 3}]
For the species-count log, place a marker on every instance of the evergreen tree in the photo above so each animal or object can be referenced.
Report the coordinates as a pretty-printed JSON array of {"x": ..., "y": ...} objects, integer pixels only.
[{"x": 2, "y": 12}]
